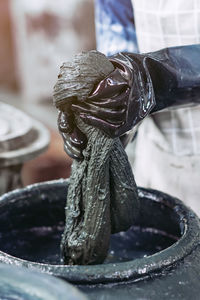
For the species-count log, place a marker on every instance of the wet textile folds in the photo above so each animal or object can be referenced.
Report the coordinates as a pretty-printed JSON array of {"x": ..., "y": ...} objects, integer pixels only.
[{"x": 102, "y": 196}]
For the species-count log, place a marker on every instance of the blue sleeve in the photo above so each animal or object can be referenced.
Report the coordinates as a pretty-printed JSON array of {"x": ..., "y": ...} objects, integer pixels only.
[{"x": 115, "y": 28}]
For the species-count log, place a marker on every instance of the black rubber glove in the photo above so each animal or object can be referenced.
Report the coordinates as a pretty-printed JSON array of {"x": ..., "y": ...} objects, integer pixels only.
[
  {"x": 120, "y": 100},
  {"x": 74, "y": 140},
  {"x": 116, "y": 104},
  {"x": 141, "y": 84}
]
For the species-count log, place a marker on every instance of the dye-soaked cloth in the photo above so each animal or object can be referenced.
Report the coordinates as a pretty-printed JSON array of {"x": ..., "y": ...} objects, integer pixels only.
[
  {"x": 102, "y": 199},
  {"x": 102, "y": 195}
]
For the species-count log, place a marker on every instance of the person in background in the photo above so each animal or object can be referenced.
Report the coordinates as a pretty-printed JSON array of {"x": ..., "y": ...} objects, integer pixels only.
[{"x": 158, "y": 84}]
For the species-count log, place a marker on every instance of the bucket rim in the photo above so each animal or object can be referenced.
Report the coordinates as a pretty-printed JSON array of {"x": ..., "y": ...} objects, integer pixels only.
[{"x": 136, "y": 269}]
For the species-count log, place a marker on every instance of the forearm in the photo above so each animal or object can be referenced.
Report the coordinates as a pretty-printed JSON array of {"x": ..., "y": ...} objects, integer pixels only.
[
  {"x": 174, "y": 74},
  {"x": 140, "y": 85}
]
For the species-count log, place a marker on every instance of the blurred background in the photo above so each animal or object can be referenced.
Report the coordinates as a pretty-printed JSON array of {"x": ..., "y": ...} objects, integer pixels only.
[{"x": 36, "y": 37}]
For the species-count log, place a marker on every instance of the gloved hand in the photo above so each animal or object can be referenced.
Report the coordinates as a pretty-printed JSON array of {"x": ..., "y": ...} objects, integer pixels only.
[
  {"x": 115, "y": 105},
  {"x": 120, "y": 100},
  {"x": 74, "y": 140},
  {"x": 126, "y": 96}
]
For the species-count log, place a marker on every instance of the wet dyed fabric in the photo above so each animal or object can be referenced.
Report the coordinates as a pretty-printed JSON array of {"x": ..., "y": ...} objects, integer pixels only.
[{"x": 102, "y": 196}]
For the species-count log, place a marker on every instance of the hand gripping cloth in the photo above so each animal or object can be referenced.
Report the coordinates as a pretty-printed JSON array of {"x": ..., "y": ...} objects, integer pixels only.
[{"x": 102, "y": 195}]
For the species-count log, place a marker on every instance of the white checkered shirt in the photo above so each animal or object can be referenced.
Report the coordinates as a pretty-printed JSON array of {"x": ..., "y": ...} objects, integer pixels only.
[{"x": 161, "y": 24}]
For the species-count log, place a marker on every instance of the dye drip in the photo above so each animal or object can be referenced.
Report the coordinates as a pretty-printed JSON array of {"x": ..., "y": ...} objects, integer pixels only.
[{"x": 102, "y": 197}]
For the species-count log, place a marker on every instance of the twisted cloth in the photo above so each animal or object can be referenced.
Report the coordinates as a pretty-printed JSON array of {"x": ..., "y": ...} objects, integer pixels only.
[{"x": 102, "y": 195}]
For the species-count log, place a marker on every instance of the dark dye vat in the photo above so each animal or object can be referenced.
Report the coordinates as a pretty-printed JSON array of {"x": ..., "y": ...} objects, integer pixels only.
[
  {"x": 140, "y": 242},
  {"x": 31, "y": 230},
  {"x": 42, "y": 244},
  {"x": 163, "y": 237}
]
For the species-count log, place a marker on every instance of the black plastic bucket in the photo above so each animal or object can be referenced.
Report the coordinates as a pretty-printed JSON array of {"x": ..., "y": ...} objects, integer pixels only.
[{"x": 166, "y": 234}]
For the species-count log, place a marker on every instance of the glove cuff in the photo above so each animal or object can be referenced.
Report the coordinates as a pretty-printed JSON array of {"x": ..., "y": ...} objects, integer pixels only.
[{"x": 134, "y": 68}]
